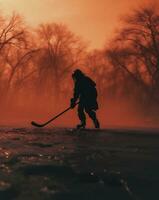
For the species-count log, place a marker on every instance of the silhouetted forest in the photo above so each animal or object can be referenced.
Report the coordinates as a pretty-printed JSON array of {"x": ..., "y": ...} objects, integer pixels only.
[{"x": 36, "y": 63}]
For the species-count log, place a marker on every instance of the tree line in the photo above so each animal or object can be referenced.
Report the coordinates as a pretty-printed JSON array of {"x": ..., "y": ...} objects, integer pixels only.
[{"x": 36, "y": 64}]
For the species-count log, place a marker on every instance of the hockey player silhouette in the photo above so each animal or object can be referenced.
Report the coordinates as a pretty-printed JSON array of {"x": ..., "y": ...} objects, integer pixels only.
[{"x": 85, "y": 91}]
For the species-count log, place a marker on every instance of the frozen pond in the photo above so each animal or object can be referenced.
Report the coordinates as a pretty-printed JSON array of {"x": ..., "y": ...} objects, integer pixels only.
[{"x": 64, "y": 164}]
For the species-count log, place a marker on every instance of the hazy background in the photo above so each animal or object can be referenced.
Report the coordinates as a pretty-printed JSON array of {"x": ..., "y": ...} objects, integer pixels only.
[
  {"x": 43, "y": 41},
  {"x": 94, "y": 20}
]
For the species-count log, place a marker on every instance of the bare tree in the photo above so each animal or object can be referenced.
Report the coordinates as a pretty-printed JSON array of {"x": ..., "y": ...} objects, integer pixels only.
[
  {"x": 135, "y": 50},
  {"x": 61, "y": 50},
  {"x": 16, "y": 51}
]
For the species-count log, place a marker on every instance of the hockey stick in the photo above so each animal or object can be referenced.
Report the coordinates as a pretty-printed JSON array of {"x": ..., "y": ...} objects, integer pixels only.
[{"x": 44, "y": 124}]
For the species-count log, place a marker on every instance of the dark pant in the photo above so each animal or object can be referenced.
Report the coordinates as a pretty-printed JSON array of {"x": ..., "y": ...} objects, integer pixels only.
[{"x": 81, "y": 113}]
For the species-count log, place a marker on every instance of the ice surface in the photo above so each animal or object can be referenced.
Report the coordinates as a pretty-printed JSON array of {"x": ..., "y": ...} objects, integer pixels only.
[{"x": 46, "y": 164}]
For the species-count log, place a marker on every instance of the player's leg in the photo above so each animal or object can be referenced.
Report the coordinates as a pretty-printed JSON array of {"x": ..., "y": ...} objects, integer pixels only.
[
  {"x": 81, "y": 116},
  {"x": 92, "y": 115}
]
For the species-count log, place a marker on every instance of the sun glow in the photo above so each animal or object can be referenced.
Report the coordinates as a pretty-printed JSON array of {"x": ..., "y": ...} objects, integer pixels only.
[{"x": 92, "y": 20}]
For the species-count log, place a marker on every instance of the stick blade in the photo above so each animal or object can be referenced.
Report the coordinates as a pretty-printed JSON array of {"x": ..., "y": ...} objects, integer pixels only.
[{"x": 36, "y": 124}]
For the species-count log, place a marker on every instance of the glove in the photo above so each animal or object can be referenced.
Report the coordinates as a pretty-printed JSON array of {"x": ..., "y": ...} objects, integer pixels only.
[{"x": 72, "y": 103}]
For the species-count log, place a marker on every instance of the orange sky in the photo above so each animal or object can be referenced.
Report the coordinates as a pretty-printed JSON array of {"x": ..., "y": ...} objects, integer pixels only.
[{"x": 94, "y": 20}]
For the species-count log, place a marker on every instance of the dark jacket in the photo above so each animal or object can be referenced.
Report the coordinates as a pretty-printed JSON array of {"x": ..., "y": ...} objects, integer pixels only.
[{"x": 85, "y": 90}]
